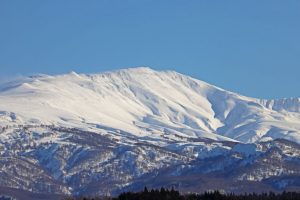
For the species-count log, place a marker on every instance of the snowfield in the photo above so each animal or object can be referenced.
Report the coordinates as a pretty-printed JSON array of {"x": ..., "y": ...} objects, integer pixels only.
[{"x": 121, "y": 130}]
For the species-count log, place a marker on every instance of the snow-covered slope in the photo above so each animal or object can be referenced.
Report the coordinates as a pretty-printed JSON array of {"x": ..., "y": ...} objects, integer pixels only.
[
  {"x": 144, "y": 102},
  {"x": 123, "y": 130}
]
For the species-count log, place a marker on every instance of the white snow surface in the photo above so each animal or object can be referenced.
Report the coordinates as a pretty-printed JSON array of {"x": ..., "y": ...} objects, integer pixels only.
[{"x": 147, "y": 103}]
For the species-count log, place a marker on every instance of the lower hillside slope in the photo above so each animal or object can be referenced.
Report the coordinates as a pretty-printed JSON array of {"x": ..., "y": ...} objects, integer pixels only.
[{"x": 57, "y": 160}]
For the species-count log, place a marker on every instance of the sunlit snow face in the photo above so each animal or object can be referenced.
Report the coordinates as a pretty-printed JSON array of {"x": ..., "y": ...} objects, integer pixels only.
[{"x": 145, "y": 102}]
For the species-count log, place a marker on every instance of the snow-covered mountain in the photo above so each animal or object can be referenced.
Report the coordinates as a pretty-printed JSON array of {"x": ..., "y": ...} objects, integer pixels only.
[
  {"x": 82, "y": 132},
  {"x": 144, "y": 102}
]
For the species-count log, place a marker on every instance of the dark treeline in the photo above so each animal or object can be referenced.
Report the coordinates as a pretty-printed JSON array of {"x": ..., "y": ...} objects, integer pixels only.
[{"x": 165, "y": 194}]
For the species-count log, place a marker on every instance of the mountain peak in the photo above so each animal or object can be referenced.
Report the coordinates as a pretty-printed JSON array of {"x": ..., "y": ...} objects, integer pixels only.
[
  {"x": 73, "y": 74},
  {"x": 133, "y": 71},
  {"x": 140, "y": 69}
]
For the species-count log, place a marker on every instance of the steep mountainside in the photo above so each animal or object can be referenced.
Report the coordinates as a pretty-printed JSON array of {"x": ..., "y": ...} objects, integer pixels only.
[{"x": 109, "y": 132}]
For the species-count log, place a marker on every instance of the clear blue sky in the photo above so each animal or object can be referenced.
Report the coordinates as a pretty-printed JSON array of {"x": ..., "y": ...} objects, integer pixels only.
[{"x": 250, "y": 47}]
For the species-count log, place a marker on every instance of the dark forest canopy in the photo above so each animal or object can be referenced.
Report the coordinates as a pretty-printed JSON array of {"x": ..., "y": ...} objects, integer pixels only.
[{"x": 165, "y": 194}]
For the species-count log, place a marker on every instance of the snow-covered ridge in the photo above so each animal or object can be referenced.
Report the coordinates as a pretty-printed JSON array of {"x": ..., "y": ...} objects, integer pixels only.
[
  {"x": 288, "y": 104},
  {"x": 147, "y": 103}
]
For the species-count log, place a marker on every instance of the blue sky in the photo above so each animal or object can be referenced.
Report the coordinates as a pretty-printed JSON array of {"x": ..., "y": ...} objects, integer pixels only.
[{"x": 250, "y": 47}]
